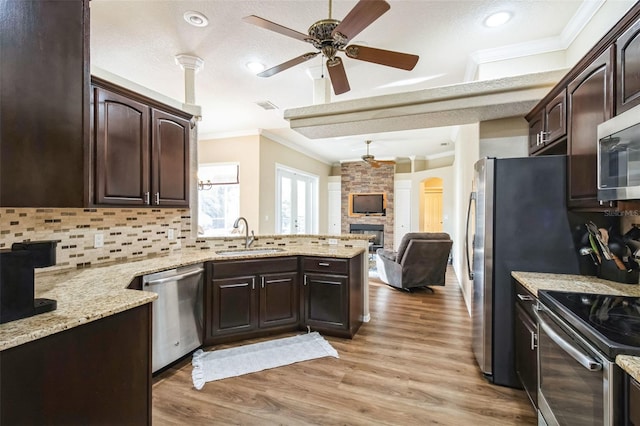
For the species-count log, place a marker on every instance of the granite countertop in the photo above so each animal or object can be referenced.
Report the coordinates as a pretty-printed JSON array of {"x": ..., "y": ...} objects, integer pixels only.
[
  {"x": 534, "y": 281},
  {"x": 85, "y": 295}
]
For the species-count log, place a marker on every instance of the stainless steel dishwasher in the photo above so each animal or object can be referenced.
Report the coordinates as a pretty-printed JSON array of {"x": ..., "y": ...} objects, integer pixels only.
[{"x": 177, "y": 313}]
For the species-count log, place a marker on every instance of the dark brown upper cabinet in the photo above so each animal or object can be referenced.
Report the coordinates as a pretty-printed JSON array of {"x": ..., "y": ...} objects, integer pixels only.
[
  {"x": 548, "y": 124},
  {"x": 44, "y": 103},
  {"x": 141, "y": 150},
  {"x": 628, "y": 69},
  {"x": 590, "y": 102}
]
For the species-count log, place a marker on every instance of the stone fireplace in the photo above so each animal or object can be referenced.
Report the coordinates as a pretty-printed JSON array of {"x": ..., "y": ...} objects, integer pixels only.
[{"x": 359, "y": 177}]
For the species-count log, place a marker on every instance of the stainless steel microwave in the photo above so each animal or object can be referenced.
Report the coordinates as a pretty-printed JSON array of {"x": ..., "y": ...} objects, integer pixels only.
[{"x": 619, "y": 157}]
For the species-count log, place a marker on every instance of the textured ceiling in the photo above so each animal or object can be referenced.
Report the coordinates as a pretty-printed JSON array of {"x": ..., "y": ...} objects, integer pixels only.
[{"x": 139, "y": 39}]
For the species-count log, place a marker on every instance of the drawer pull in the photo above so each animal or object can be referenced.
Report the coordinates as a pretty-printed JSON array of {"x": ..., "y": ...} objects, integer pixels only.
[
  {"x": 324, "y": 264},
  {"x": 526, "y": 298}
]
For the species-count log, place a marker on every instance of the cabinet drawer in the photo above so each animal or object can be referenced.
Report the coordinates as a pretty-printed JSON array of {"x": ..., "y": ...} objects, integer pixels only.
[
  {"x": 234, "y": 268},
  {"x": 325, "y": 264}
]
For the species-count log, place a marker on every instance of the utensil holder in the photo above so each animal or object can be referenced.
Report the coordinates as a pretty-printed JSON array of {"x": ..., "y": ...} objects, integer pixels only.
[{"x": 608, "y": 270}]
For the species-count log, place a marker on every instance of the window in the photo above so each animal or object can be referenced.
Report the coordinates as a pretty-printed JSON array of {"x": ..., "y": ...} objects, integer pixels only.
[
  {"x": 296, "y": 201},
  {"x": 218, "y": 198}
]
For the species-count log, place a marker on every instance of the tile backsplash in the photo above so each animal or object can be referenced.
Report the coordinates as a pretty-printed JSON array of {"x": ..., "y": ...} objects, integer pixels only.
[{"x": 128, "y": 232}]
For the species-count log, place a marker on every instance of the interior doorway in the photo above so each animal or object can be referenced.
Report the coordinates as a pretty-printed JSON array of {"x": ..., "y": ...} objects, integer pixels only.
[{"x": 431, "y": 205}]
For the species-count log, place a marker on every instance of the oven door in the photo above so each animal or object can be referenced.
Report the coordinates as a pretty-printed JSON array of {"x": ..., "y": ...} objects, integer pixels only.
[{"x": 576, "y": 382}]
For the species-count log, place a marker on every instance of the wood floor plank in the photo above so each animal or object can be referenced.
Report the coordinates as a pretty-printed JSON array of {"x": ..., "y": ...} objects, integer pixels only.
[{"x": 412, "y": 364}]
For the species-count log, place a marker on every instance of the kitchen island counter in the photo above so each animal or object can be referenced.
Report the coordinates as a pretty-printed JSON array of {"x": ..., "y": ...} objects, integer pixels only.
[{"x": 86, "y": 295}]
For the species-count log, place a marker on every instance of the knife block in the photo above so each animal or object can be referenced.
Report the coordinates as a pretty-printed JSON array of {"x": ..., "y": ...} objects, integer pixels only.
[{"x": 608, "y": 270}]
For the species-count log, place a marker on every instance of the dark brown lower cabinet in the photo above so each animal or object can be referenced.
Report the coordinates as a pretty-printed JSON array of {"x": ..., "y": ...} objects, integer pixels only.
[
  {"x": 526, "y": 343},
  {"x": 248, "y": 298},
  {"x": 97, "y": 373},
  {"x": 332, "y": 297},
  {"x": 256, "y": 297}
]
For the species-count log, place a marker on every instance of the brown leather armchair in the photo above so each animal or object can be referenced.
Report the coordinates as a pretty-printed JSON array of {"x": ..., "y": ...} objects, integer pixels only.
[{"x": 421, "y": 260}]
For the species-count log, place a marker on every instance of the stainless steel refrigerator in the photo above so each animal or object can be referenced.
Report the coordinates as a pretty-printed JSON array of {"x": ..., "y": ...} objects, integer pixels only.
[{"x": 517, "y": 221}]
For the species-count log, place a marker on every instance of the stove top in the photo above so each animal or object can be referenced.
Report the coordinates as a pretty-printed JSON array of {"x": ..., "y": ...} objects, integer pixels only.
[{"x": 611, "y": 323}]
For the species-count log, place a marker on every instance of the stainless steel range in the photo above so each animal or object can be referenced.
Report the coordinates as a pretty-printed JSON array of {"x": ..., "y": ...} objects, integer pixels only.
[{"x": 580, "y": 335}]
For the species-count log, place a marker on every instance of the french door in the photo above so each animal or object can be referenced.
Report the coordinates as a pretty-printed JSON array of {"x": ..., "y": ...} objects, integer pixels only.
[{"x": 297, "y": 202}]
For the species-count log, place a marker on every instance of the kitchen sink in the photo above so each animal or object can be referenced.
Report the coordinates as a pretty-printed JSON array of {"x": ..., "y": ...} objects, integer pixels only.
[{"x": 249, "y": 252}]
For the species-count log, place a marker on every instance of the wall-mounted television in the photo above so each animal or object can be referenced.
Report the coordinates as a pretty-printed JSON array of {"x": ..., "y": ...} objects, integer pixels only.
[{"x": 368, "y": 204}]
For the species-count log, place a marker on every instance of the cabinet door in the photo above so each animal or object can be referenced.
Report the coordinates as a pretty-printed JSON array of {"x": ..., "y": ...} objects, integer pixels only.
[
  {"x": 326, "y": 301},
  {"x": 234, "y": 305},
  {"x": 555, "y": 119},
  {"x": 526, "y": 341},
  {"x": 589, "y": 98},
  {"x": 628, "y": 69},
  {"x": 278, "y": 299},
  {"x": 536, "y": 126},
  {"x": 122, "y": 149},
  {"x": 170, "y": 166},
  {"x": 44, "y": 103}
]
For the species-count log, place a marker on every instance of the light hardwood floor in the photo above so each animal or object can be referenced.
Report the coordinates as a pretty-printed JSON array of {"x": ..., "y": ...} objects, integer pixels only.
[{"x": 412, "y": 364}]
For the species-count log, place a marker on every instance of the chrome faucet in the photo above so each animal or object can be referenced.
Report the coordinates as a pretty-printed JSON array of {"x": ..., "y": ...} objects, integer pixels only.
[{"x": 247, "y": 240}]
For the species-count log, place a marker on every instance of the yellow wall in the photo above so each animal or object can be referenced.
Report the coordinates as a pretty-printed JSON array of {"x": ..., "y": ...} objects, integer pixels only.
[{"x": 244, "y": 150}]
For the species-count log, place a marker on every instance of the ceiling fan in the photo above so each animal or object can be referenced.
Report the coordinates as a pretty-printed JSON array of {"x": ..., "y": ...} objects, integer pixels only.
[
  {"x": 371, "y": 160},
  {"x": 330, "y": 36}
]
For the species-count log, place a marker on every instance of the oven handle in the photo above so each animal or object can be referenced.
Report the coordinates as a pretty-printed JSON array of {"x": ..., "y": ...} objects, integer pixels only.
[{"x": 584, "y": 360}]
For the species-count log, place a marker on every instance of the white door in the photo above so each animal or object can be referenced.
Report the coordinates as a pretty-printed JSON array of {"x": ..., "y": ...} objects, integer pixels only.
[
  {"x": 401, "y": 210},
  {"x": 334, "y": 207},
  {"x": 296, "y": 203}
]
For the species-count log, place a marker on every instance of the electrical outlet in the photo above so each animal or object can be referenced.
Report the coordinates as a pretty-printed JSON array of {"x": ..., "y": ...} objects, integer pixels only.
[
  {"x": 98, "y": 240},
  {"x": 333, "y": 241},
  {"x": 171, "y": 234}
]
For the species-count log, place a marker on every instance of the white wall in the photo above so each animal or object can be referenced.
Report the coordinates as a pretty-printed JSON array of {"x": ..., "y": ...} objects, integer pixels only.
[
  {"x": 467, "y": 153},
  {"x": 604, "y": 19}
]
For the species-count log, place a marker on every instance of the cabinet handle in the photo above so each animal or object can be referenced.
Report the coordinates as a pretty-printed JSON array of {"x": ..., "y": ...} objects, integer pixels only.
[
  {"x": 537, "y": 139},
  {"x": 534, "y": 340},
  {"x": 305, "y": 280},
  {"x": 262, "y": 278},
  {"x": 146, "y": 198},
  {"x": 543, "y": 137},
  {"x": 324, "y": 264},
  {"x": 526, "y": 298},
  {"x": 253, "y": 283},
  {"x": 157, "y": 198}
]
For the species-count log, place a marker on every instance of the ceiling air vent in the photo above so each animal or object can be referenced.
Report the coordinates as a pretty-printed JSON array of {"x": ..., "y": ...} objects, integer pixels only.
[{"x": 266, "y": 105}]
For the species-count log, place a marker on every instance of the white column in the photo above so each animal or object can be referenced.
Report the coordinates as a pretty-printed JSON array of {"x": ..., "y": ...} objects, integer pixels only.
[{"x": 190, "y": 65}]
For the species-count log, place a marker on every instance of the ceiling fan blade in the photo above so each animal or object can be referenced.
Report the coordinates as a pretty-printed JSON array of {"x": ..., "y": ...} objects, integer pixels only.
[
  {"x": 268, "y": 25},
  {"x": 286, "y": 65},
  {"x": 389, "y": 58},
  {"x": 338, "y": 76},
  {"x": 360, "y": 17}
]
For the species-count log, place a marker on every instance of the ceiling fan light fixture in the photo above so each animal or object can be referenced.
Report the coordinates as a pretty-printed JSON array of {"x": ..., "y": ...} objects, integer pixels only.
[
  {"x": 196, "y": 19},
  {"x": 255, "y": 67},
  {"x": 497, "y": 19}
]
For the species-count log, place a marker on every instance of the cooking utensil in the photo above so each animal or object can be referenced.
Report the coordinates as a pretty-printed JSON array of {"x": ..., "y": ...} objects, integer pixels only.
[{"x": 593, "y": 230}]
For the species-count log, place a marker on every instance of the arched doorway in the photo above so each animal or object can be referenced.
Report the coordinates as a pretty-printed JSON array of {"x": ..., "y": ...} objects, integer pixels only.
[{"x": 431, "y": 205}]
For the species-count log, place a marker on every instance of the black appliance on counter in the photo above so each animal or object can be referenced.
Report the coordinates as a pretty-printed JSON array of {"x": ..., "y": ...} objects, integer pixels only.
[
  {"x": 580, "y": 335},
  {"x": 17, "y": 293},
  {"x": 517, "y": 221}
]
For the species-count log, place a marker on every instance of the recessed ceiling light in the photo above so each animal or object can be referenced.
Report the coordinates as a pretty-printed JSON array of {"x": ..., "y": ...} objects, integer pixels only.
[
  {"x": 497, "y": 19},
  {"x": 196, "y": 19},
  {"x": 255, "y": 67}
]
